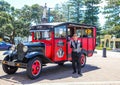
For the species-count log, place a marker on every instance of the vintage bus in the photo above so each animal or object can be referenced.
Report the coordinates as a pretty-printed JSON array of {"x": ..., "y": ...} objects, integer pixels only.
[{"x": 50, "y": 44}]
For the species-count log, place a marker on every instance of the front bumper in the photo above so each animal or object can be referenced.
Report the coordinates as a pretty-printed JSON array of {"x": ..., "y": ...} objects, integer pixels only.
[{"x": 17, "y": 64}]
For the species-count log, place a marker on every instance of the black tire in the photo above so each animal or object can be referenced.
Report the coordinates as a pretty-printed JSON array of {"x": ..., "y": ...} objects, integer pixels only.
[
  {"x": 9, "y": 69},
  {"x": 60, "y": 64},
  {"x": 31, "y": 71},
  {"x": 83, "y": 62}
]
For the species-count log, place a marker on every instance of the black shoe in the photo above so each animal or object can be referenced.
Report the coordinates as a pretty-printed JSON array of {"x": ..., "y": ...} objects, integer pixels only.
[
  {"x": 79, "y": 74},
  {"x": 74, "y": 72}
]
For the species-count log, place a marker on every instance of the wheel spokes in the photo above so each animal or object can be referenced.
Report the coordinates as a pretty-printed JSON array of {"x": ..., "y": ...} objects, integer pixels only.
[{"x": 36, "y": 68}]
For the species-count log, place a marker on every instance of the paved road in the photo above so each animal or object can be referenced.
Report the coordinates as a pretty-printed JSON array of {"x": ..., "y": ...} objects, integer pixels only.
[{"x": 98, "y": 71}]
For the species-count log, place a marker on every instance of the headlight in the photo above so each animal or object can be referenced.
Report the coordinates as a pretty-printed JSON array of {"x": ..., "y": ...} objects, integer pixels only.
[
  {"x": 12, "y": 48},
  {"x": 25, "y": 48}
]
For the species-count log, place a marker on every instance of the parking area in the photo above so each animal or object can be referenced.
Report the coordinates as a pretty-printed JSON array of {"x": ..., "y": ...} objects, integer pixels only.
[{"x": 98, "y": 71}]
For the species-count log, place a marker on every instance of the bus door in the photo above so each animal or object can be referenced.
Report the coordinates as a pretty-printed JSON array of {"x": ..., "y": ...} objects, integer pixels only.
[
  {"x": 70, "y": 32},
  {"x": 88, "y": 40},
  {"x": 60, "y": 44}
]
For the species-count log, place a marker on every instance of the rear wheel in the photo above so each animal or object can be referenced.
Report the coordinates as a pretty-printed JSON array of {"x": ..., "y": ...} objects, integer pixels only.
[
  {"x": 83, "y": 60},
  {"x": 9, "y": 69},
  {"x": 34, "y": 68}
]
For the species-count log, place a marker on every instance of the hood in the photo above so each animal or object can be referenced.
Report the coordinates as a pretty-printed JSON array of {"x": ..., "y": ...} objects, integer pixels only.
[{"x": 34, "y": 44}]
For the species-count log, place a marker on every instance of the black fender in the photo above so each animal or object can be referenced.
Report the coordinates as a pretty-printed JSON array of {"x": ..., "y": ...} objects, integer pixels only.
[
  {"x": 38, "y": 54},
  {"x": 7, "y": 53},
  {"x": 84, "y": 52},
  {"x": 10, "y": 53}
]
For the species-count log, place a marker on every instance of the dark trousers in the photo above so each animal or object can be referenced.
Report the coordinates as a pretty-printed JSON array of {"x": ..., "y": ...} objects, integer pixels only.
[{"x": 76, "y": 60}]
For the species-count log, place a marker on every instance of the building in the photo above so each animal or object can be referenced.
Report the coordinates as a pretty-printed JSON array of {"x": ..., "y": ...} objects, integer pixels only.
[{"x": 110, "y": 41}]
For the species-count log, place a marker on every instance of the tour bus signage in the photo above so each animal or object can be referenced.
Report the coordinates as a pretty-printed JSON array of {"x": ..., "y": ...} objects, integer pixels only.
[
  {"x": 60, "y": 43},
  {"x": 60, "y": 53},
  {"x": 88, "y": 31}
]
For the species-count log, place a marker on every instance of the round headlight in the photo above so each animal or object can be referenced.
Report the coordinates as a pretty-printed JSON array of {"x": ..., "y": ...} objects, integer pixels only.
[
  {"x": 12, "y": 48},
  {"x": 25, "y": 48}
]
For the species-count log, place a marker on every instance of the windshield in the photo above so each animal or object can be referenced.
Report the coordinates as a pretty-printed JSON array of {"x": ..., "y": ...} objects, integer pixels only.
[{"x": 42, "y": 34}]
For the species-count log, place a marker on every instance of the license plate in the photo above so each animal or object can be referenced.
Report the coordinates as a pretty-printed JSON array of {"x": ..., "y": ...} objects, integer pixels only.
[{"x": 11, "y": 63}]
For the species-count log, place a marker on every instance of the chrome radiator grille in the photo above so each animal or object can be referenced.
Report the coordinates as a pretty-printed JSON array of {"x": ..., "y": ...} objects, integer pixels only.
[{"x": 20, "y": 52}]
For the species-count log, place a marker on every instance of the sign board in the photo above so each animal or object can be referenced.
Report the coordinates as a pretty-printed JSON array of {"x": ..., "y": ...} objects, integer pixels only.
[{"x": 88, "y": 31}]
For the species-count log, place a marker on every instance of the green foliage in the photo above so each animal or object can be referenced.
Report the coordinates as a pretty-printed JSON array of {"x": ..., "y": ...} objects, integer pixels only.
[
  {"x": 36, "y": 13},
  {"x": 82, "y": 11},
  {"x": 4, "y": 6},
  {"x": 74, "y": 9},
  {"x": 112, "y": 13},
  {"x": 91, "y": 12},
  {"x": 16, "y": 22}
]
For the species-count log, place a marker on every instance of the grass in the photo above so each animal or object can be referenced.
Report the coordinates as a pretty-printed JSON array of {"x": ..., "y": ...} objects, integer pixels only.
[{"x": 101, "y": 48}]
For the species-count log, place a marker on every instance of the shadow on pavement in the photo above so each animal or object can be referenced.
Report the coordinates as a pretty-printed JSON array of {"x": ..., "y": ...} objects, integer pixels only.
[{"x": 48, "y": 73}]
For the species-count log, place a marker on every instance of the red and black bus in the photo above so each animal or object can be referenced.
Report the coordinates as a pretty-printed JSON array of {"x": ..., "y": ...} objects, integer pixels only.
[
  {"x": 50, "y": 44},
  {"x": 56, "y": 37}
]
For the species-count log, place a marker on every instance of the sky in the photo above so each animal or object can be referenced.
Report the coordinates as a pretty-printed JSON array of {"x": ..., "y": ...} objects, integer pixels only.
[
  {"x": 50, "y": 3},
  {"x": 21, "y": 3}
]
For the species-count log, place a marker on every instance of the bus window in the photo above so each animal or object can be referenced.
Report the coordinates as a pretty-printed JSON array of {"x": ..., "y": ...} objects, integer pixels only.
[
  {"x": 79, "y": 32},
  {"x": 60, "y": 32},
  {"x": 41, "y": 35},
  {"x": 37, "y": 35},
  {"x": 70, "y": 32}
]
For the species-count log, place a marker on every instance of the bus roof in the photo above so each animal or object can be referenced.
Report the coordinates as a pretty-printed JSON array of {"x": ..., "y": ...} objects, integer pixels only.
[{"x": 51, "y": 25}]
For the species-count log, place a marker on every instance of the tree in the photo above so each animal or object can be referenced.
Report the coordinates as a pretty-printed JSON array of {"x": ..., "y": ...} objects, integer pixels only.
[
  {"x": 12, "y": 24},
  {"x": 91, "y": 12},
  {"x": 112, "y": 13},
  {"x": 82, "y": 11},
  {"x": 36, "y": 12},
  {"x": 4, "y": 6},
  {"x": 57, "y": 15},
  {"x": 74, "y": 9},
  {"x": 6, "y": 24}
]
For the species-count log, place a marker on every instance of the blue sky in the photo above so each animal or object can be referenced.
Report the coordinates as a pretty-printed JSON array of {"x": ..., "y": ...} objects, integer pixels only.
[
  {"x": 50, "y": 3},
  {"x": 21, "y": 3}
]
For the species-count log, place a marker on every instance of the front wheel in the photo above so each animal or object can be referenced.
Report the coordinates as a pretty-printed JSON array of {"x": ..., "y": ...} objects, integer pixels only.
[
  {"x": 34, "y": 68},
  {"x": 83, "y": 60},
  {"x": 9, "y": 69}
]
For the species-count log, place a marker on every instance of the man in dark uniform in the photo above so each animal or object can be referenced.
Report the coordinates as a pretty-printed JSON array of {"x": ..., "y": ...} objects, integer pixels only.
[{"x": 76, "y": 54}]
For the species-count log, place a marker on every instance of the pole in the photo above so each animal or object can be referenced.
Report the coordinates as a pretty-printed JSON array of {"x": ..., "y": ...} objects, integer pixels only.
[
  {"x": 104, "y": 52},
  {"x": 68, "y": 13}
]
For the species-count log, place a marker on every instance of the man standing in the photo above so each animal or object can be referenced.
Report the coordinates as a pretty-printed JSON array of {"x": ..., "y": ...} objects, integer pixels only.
[{"x": 76, "y": 54}]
